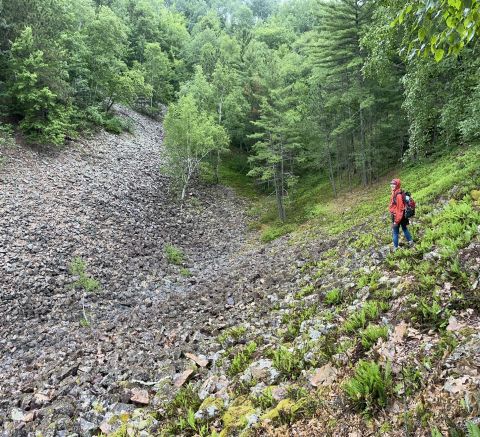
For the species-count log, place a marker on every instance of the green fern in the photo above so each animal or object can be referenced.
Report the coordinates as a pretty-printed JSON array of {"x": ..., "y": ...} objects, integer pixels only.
[
  {"x": 371, "y": 335},
  {"x": 370, "y": 388}
]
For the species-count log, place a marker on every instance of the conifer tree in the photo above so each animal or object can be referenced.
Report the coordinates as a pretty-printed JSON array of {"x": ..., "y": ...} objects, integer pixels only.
[
  {"x": 339, "y": 58},
  {"x": 278, "y": 146}
]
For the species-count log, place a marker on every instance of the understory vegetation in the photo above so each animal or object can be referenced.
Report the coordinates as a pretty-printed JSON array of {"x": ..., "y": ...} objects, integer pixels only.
[{"x": 386, "y": 325}]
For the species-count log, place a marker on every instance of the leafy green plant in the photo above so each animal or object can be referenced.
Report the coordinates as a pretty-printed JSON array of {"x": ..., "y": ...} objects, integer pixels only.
[
  {"x": 174, "y": 254},
  {"x": 369, "y": 312},
  {"x": 448, "y": 342},
  {"x": 365, "y": 241},
  {"x": 428, "y": 312},
  {"x": 344, "y": 345},
  {"x": 411, "y": 380},
  {"x": 371, "y": 386},
  {"x": 404, "y": 266},
  {"x": 242, "y": 359},
  {"x": 185, "y": 272},
  {"x": 427, "y": 282},
  {"x": 77, "y": 268},
  {"x": 295, "y": 318},
  {"x": 84, "y": 322},
  {"x": 117, "y": 125},
  {"x": 307, "y": 290},
  {"x": 333, "y": 297},
  {"x": 265, "y": 400},
  {"x": 369, "y": 279},
  {"x": 6, "y": 135},
  {"x": 188, "y": 425},
  {"x": 473, "y": 429},
  {"x": 372, "y": 333},
  {"x": 186, "y": 399},
  {"x": 233, "y": 333},
  {"x": 327, "y": 346},
  {"x": 383, "y": 294},
  {"x": 288, "y": 363}
]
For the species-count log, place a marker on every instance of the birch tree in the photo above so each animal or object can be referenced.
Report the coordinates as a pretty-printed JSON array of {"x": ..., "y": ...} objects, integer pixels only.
[{"x": 190, "y": 136}]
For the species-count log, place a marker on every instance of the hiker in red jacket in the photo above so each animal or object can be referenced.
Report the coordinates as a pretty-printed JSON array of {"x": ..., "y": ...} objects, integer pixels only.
[{"x": 397, "y": 208}]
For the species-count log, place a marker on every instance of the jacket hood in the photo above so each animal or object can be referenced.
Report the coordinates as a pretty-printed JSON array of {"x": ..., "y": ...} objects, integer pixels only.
[{"x": 397, "y": 183}]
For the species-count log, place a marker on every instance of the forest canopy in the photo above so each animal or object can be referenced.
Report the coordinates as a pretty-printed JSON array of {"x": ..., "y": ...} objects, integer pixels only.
[{"x": 343, "y": 87}]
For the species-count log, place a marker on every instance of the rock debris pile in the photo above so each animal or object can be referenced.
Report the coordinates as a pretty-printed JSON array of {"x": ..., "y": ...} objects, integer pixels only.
[{"x": 103, "y": 200}]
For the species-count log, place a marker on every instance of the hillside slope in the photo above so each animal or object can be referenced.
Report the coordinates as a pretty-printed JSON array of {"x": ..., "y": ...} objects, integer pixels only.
[
  {"x": 240, "y": 338},
  {"x": 350, "y": 339}
]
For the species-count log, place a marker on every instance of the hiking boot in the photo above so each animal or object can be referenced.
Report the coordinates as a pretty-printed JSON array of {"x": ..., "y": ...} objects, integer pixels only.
[{"x": 411, "y": 243}]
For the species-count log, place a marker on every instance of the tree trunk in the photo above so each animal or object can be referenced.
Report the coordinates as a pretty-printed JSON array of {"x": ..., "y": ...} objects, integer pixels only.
[
  {"x": 331, "y": 173},
  {"x": 190, "y": 171},
  {"x": 110, "y": 104},
  {"x": 279, "y": 195},
  {"x": 363, "y": 146},
  {"x": 184, "y": 189},
  {"x": 217, "y": 163}
]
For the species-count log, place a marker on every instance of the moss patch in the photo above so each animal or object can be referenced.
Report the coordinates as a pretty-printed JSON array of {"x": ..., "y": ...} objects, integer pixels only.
[
  {"x": 285, "y": 406},
  {"x": 236, "y": 417}
]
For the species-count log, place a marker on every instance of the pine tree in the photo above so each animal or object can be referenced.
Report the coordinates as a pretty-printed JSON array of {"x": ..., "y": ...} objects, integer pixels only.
[
  {"x": 338, "y": 58},
  {"x": 278, "y": 146}
]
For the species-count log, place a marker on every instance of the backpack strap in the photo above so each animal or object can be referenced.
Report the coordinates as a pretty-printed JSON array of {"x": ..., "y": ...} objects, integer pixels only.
[{"x": 395, "y": 197}]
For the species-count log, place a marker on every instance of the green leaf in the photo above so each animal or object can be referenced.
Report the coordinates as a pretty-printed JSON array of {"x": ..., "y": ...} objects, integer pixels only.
[
  {"x": 461, "y": 30},
  {"x": 422, "y": 34},
  {"x": 455, "y": 4},
  {"x": 439, "y": 53},
  {"x": 473, "y": 429}
]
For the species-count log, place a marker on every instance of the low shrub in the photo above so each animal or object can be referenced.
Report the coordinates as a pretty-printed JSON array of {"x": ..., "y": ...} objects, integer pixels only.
[
  {"x": 242, "y": 359},
  {"x": 232, "y": 334},
  {"x": 369, "y": 312},
  {"x": 333, "y": 297},
  {"x": 87, "y": 283},
  {"x": 289, "y": 363},
  {"x": 428, "y": 312},
  {"x": 275, "y": 231}
]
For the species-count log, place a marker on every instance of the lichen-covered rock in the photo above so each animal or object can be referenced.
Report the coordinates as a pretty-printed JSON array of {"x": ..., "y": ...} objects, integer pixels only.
[
  {"x": 261, "y": 370},
  {"x": 241, "y": 414}
]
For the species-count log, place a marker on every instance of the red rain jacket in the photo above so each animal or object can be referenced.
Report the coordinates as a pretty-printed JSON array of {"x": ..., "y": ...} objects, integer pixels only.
[{"x": 398, "y": 207}]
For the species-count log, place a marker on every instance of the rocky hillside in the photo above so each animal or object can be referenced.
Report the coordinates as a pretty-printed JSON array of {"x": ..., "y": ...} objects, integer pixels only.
[{"x": 127, "y": 315}]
